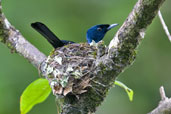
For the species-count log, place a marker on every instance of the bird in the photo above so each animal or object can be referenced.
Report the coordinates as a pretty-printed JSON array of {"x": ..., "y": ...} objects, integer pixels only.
[
  {"x": 94, "y": 34},
  {"x": 49, "y": 35}
]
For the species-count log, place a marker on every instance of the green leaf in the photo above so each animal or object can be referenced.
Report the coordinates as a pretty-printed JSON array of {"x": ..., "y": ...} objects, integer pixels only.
[
  {"x": 129, "y": 91},
  {"x": 35, "y": 93}
]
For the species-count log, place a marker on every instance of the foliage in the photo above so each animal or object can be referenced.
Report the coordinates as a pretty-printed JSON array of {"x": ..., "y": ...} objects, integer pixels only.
[{"x": 35, "y": 93}]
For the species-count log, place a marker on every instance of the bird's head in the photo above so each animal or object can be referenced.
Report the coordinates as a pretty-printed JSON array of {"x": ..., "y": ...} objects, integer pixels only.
[{"x": 97, "y": 32}]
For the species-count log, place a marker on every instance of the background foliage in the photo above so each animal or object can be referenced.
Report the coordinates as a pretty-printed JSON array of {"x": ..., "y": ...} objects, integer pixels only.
[{"x": 70, "y": 19}]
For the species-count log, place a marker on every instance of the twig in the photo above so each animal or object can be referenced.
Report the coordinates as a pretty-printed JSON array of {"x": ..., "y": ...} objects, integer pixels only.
[
  {"x": 162, "y": 93},
  {"x": 164, "y": 25},
  {"x": 164, "y": 106}
]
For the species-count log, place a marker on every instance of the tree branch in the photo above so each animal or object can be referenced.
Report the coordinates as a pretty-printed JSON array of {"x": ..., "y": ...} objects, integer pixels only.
[
  {"x": 82, "y": 74},
  {"x": 164, "y": 106},
  {"x": 164, "y": 25},
  {"x": 17, "y": 43},
  {"x": 133, "y": 29}
]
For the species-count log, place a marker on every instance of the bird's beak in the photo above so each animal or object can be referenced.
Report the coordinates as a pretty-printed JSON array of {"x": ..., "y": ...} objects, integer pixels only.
[{"x": 112, "y": 26}]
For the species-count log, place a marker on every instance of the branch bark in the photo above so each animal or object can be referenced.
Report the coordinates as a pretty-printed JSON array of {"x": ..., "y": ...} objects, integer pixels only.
[
  {"x": 164, "y": 106},
  {"x": 17, "y": 43},
  {"x": 81, "y": 75},
  {"x": 85, "y": 91}
]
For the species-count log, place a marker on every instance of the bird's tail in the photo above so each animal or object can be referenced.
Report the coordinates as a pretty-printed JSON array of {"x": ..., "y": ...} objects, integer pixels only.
[{"x": 48, "y": 34}]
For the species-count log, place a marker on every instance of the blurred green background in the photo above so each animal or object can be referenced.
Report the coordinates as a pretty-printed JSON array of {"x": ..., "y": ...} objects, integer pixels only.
[{"x": 70, "y": 19}]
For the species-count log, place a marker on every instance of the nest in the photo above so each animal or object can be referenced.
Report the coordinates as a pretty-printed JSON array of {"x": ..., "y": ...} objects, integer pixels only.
[{"x": 70, "y": 69}]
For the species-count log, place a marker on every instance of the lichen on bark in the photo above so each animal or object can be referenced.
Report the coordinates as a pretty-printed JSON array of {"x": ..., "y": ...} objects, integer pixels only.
[
  {"x": 81, "y": 75},
  {"x": 86, "y": 72},
  {"x": 80, "y": 72},
  {"x": 109, "y": 64}
]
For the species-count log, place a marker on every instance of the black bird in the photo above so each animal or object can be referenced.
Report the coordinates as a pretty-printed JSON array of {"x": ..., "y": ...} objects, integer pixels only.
[
  {"x": 95, "y": 33},
  {"x": 49, "y": 35}
]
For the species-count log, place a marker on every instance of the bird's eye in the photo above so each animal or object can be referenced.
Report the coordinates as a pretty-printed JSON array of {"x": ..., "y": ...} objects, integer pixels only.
[{"x": 99, "y": 29}]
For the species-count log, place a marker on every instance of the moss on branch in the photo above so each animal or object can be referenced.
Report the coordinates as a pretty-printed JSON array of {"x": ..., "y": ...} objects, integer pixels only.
[{"x": 83, "y": 94}]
